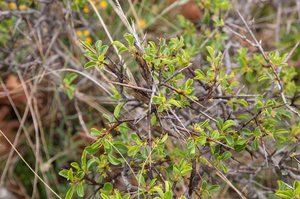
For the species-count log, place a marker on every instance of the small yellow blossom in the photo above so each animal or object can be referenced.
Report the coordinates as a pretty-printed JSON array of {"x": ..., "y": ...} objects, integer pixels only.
[
  {"x": 86, "y": 32},
  {"x": 100, "y": 4},
  {"x": 16, "y": 44},
  {"x": 12, "y": 6},
  {"x": 103, "y": 4},
  {"x": 22, "y": 7},
  {"x": 79, "y": 33},
  {"x": 86, "y": 9},
  {"x": 142, "y": 22},
  {"x": 89, "y": 40}
]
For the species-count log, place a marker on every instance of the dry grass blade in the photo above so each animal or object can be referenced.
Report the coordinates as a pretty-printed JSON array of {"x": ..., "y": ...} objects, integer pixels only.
[{"x": 29, "y": 166}]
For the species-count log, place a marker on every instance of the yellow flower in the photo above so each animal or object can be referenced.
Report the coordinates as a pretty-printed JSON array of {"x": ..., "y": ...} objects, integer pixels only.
[
  {"x": 142, "y": 22},
  {"x": 86, "y": 9},
  {"x": 79, "y": 33},
  {"x": 100, "y": 4},
  {"x": 12, "y": 6},
  {"x": 16, "y": 44},
  {"x": 103, "y": 4},
  {"x": 22, "y": 7},
  {"x": 89, "y": 40},
  {"x": 86, "y": 32}
]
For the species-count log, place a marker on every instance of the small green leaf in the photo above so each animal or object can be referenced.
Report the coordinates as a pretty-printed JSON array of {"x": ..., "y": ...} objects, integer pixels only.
[
  {"x": 227, "y": 124},
  {"x": 157, "y": 100},
  {"x": 246, "y": 132},
  {"x": 133, "y": 150},
  {"x": 113, "y": 160},
  {"x": 122, "y": 50},
  {"x": 210, "y": 51},
  {"x": 226, "y": 155},
  {"x": 141, "y": 180},
  {"x": 255, "y": 145},
  {"x": 103, "y": 50},
  {"x": 129, "y": 38},
  {"x": 257, "y": 132},
  {"x": 63, "y": 173},
  {"x": 90, "y": 65},
  {"x": 72, "y": 77},
  {"x": 286, "y": 113},
  {"x": 117, "y": 43},
  {"x": 203, "y": 185},
  {"x": 70, "y": 193},
  {"x": 90, "y": 150},
  {"x": 174, "y": 102},
  {"x": 201, "y": 140},
  {"x": 117, "y": 110},
  {"x": 229, "y": 140},
  {"x": 69, "y": 93},
  {"x": 242, "y": 102},
  {"x": 98, "y": 46},
  {"x": 70, "y": 175},
  {"x": 95, "y": 132},
  {"x": 214, "y": 188},
  {"x": 80, "y": 190}
]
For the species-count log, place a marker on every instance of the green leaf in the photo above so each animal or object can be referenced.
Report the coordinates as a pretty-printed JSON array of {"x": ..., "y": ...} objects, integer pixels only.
[
  {"x": 113, "y": 160},
  {"x": 72, "y": 77},
  {"x": 70, "y": 193},
  {"x": 95, "y": 132},
  {"x": 75, "y": 165},
  {"x": 164, "y": 138},
  {"x": 255, "y": 145},
  {"x": 122, "y": 50},
  {"x": 185, "y": 169},
  {"x": 201, "y": 140},
  {"x": 168, "y": 195},
  {"x": 145, "y": 152},
  {"x": 157, "y": 100},
  {"x": 203, "y": 185},
  {"x": 133, "y": 150},
  {"x": 153, "y": 120},
  {"x": 122, "y": 148},
  {"x": 117, "y": 43},
  {"x": 98, "y": 46},
  {"x": 215, "y": 135},
  {"x": 141, "y": 180},
  {"x": 210, "y": 51},
  {"x": 242, "y": 102},
  {"x": 214, "y": 188},
  {"x": 90, "y": 150},
  {"x": 129, "y": 38},
  {"x": 70, "y": 175},
  {"x": 226, "y": 155},
  {"x": 117, "y": 110},
  {"x": 263, "y": 77},
  {"x": 63, "y": 173},
  {"x": 191, "y": 149},
  {"x": 257, "y": 132},
  {"x": 103, "y": 50},
  {"x": 229, "y": 140},
  {"x": 80, "y": 190},
  {"x": 174, "y": 102},
  {"x": 108, "y": 187},
  {"x": 227, "y": 124},
  {"x": 246, "y": 132},
  {"x": 69, "y": 93},
  {"x": 286, "y": 113},
  {"x": 90, "y": 65}
]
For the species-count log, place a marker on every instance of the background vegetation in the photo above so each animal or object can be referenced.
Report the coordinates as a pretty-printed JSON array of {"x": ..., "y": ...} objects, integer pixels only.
[{"x": 221, "y": 76}]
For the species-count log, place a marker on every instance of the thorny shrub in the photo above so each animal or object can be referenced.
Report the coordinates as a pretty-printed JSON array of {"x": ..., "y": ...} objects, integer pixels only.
[{"x": 194, "y": 121}]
